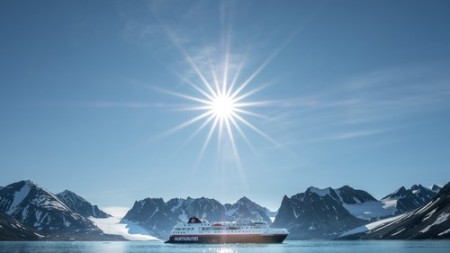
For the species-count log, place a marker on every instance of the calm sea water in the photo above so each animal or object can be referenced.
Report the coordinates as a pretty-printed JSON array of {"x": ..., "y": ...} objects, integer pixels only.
[{"x": 286, "y": 247}]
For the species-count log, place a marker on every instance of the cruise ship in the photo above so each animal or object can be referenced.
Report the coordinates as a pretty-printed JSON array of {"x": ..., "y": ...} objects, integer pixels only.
[{"x": 202, "y": 231}]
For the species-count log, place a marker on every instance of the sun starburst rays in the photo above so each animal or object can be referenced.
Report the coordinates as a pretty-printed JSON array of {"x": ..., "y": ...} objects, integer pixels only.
[{"x": 222, "y": 104}]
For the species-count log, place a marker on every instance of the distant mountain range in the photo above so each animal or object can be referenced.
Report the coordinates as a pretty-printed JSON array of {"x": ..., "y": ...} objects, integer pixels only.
[
  {"x": 318, "y": 214},
  {"x": 327, "y": 213},
  {"x": 159, "y": 217},
  {"x": 430, "y": 221},
  {"x": 30, "y": 212}
]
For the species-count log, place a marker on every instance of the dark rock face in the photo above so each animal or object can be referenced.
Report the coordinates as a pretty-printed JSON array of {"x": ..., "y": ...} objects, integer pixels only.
[
  {"x": 47, "y": 214},
  {"x": 325, "y": 213},
  {"x": 202, "y": 208},
  {"x": 348, "y": 195},
  {"x": 410, "y": 199},
  {"x": 436, "y": 188},
  {"x": 315, "y": 214},
  {"x": 159, "y": 217},
  {"x": 29, "y": 212},
  {"x": 244, "y": 208},
  {"x": 80, "y": 205},
  {"x": 152, "y": 214},
  {"x": 12, "y": 230},
  {"x": 430, "y": 221}
]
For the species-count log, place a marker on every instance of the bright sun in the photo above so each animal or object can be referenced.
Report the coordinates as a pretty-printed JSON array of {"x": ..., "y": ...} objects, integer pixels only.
[{"x": 223, "y": 107}]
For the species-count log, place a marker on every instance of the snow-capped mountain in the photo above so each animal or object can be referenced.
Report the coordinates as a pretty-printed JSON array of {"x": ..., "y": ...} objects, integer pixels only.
[
  {"x": 359, "y": 203},
  {"x": 244, "y": 208},
  {"x": 80, "y": 205},
  {"x": 27, "y": 209},
  {"x": 349, "y": 195},
  {"x": 301, "y": 211},
  {"x": 152, "y": 214},
  {"x": 46, "y": 213},
  {"x": 405, "y": 200},
  {"x": 315, "y": 214},
  {"x": 362, "y": 205},
  {"x": 159, "y": 217},
  {"x": 430, "y": 221},
  {"x": 12, "y": 230},
  {"x": 203, "y": 208}
]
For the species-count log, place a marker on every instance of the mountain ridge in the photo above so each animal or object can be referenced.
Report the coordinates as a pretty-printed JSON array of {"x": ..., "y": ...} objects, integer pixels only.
[
  {"x": 429, "y": 221},
  {"x": 313, "y": 214},
  {"x": 80, "y": 205},
  {"x": 158, "y": 216},
  {"x": 43, "y": 211}
]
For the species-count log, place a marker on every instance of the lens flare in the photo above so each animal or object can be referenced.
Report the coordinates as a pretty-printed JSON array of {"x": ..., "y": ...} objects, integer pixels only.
[{"x": 222, "y": 104}]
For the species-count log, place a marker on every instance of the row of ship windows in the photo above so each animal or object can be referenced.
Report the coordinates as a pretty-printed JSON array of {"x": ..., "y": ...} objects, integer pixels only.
[
  {"x": 218, "y": 232},
  {"x": 229, "y": 231},
  {"x": 219, "y": 227},
  {"x": 204, "y": 229}
]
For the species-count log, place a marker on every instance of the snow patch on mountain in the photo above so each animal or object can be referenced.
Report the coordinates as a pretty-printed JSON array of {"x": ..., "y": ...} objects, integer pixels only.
[
  {"x": 19, "y": 196},
  {"x": 372, "y": 226},
  {"x": 429, "y": 215},
  {"x": 320, "y": 192},
  {"x": 231, "y": 211},
  {"x": 178, "y": 205},
  {"x": 442, "y": 218},
  {"x": 183, "y": 216},
  {"x": 445, "y": 232},
  {"x": 359, "y": 203},
  {"x": 370, "y": 210}
]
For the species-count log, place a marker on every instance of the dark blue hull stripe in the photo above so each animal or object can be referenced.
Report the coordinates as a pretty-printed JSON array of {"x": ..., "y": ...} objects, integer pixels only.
[{"x": 252, "y": 238}]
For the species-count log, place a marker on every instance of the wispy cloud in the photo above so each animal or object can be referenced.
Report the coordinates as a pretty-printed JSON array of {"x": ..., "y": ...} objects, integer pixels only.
[
  {"x": 356, "y": 134},
  {"x": 366, "y": 105},
  {"x": 359, "y": 106}
]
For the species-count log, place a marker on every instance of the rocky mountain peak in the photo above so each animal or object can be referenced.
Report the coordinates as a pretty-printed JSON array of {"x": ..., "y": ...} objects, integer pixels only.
[
  {"x": 44, "y": 212},
  {"x": 400, "y": 192},
  {"x": 349, "y": 195},
  {"x": 316, "y": 213},
  {"x": 244, "y": 200},
  {"x": 409, "y": 199},
  {"x": 436, "y": 188},
  {"x": 429, "y": 221},
  {"x": 78, "y": 204},
  {"x": 318, "y": 191}
]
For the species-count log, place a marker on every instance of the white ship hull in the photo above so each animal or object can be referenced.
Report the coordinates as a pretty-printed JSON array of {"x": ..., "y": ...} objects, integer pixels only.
[{"x": 196, "y": 231}]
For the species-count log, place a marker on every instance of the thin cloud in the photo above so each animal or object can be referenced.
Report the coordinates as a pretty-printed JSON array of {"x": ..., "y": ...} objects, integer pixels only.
[
  {"x": 356, "y": 134},
  {"x": 370, "y": 104}
]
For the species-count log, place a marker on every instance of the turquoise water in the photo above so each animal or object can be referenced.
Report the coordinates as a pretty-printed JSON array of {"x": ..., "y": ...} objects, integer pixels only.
[{"x": 286, "y": 247}]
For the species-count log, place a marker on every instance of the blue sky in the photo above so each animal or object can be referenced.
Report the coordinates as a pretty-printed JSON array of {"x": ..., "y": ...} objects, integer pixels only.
[{"x": 339, "y": 92}]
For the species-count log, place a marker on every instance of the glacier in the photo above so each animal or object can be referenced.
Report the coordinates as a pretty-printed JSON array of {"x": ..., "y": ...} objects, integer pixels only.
[{"x": 113, "y": 225}]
